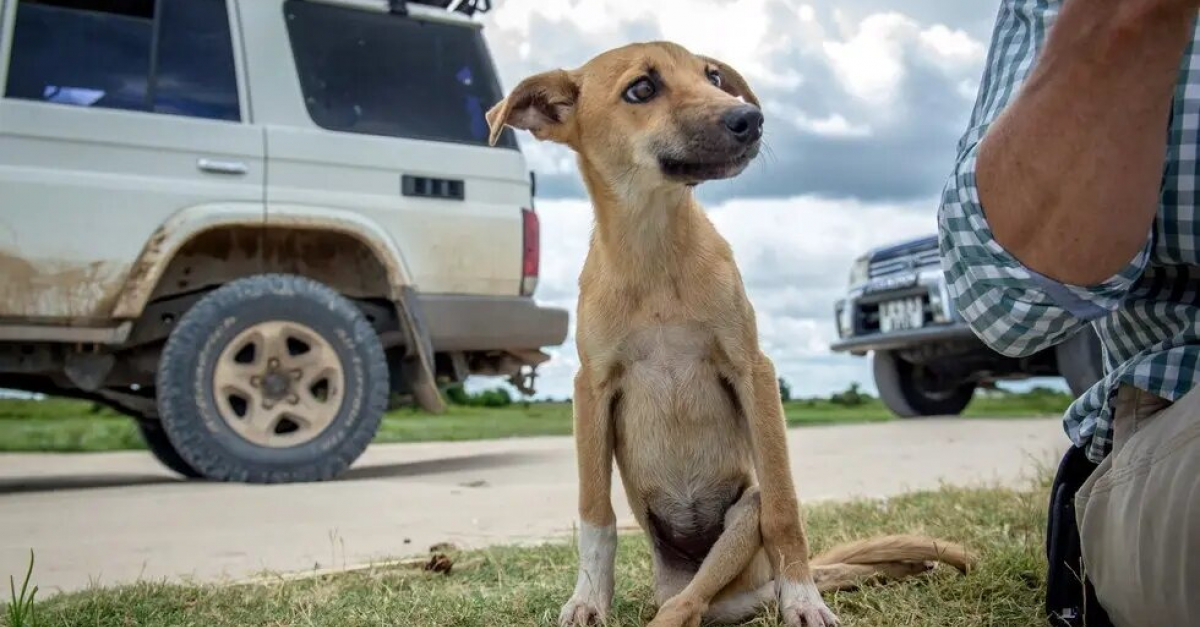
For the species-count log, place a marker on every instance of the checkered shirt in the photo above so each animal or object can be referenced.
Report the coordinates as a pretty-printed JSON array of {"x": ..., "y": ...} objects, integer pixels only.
[{"x": 1147, "y": 316}]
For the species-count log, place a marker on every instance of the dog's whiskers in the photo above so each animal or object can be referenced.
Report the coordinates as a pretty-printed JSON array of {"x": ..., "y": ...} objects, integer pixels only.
[{"x": 768, "y": 152}]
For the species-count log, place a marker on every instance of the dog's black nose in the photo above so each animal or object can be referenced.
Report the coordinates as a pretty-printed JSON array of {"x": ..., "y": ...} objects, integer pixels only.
[{"x": 745, "y": 122}]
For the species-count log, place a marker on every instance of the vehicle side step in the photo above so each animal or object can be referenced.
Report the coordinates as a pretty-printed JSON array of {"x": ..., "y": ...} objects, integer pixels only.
[{"x": 65, "y": 334}]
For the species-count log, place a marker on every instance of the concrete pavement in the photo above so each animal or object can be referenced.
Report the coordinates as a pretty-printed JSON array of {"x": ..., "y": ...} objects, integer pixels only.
[{"x": 118, "y": 517}]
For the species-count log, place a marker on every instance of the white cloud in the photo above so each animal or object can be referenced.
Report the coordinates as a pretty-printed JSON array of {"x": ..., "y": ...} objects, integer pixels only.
[
  {"x": 955, "y": 47},
  {"x": 870, "y": 64},
  {"x": 703, "y": 26},
  {"x": 546, "y": 158},
  {"x": 832, "y": 126}
]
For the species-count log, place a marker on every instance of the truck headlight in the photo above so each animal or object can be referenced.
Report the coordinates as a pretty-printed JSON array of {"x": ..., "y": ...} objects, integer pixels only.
[
  {"x": 858, "y": 271},
  {"x": 937, "y": 304},
  {"x": 845, "y": 325}
]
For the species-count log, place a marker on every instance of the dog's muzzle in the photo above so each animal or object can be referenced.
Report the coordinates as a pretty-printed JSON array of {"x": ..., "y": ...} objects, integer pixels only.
[{"x": 715, "y": 149}]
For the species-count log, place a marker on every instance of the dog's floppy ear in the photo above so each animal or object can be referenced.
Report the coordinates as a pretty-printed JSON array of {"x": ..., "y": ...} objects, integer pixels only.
[
  {"x": 541, "y": 104},
  {"x": 732, "y": 82}
]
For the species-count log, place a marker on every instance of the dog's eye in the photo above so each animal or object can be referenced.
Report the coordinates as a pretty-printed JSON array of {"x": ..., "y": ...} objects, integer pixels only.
[
  {"x": 714, "y": 77},
  {"x": 642, "y": 90}
]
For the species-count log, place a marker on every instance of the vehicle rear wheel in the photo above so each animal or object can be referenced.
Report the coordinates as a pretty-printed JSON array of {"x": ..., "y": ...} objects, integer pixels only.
[
  {"x": 910, "y": 390},
  {"x": 272, "y": 379},
  {"x": 160, "y": 446},
  {"x": 1081, "y": 361}
]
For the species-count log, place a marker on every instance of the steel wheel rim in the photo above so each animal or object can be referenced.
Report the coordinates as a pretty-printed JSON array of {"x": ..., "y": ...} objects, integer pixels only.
[{"x": 278, "y": 384}]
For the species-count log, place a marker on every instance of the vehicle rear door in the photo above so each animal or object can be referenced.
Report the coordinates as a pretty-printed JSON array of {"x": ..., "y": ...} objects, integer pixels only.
[{"x": 389, "y": 125}]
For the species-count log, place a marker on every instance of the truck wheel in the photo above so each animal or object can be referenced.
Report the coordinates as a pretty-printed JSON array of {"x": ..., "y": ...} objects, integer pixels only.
[
  {"x": 160, "y": 446},
  {"x": 1081, "y": 361},
  {"x": 905, "y": 389},
  {"x": 272, "y": 379}
]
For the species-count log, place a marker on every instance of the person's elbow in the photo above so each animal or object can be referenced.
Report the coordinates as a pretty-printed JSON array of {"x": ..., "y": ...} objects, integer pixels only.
[
  {"x": 984, "y": 284},
  {"x": 988, "y": 314},
  {"x": 1048, "y": 221}
]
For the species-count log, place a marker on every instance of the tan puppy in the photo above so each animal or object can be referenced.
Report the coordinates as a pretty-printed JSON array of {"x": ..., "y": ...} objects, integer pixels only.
[{"x": 673, "y": 384}]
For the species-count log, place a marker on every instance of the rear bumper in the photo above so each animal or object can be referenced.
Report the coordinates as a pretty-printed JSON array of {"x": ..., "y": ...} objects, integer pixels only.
[
  {"x": 480, "y": 323},
  {"x": 901, "y": 339}
]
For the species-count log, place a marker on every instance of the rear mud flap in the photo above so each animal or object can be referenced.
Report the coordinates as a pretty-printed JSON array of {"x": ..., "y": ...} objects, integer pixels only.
[{"x": 419, "y": 355}]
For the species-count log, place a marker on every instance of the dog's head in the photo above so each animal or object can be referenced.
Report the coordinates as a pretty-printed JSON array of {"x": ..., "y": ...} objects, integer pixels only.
[{"x": 651, "y": 108}]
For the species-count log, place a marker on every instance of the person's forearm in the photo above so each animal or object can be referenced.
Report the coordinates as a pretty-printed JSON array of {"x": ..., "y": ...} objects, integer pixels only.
[{"x": 1069, "y": 174}]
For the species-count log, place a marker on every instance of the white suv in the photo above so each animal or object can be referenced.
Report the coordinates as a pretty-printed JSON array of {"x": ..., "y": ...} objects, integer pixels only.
[{"x": 251, "y": 223}]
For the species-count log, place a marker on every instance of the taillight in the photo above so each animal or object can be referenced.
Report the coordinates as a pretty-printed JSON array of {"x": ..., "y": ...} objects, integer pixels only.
[{"x": 530, "y": 251}]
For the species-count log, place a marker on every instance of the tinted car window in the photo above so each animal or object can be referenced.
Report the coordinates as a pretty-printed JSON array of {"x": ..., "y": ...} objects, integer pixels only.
[
  {"x": 384, "y": 74},
  {"x": 85, "y": 58},
  {"x": 103, "y": 54},
  {"x": 195, "y": 69}
]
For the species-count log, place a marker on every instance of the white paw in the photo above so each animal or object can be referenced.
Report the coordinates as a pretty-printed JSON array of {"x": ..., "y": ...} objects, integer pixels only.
[
  {"x": 809, "y": 616},
  {"x": 802, "y": 606},
  {"x": 581, "y": 611},
  {"x": 594, "y": 585}
]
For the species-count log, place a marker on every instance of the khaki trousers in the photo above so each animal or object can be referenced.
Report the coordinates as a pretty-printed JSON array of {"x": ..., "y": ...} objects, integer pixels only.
[{"x": 1139, "y": 514}]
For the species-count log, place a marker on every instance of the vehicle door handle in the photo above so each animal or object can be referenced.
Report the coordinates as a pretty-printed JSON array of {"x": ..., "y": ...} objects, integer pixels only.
[{"x": 218, "y": 166}]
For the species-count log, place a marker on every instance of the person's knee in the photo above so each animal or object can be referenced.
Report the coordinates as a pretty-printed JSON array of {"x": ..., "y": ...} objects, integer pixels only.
[{"x": 1138, "y": 522}]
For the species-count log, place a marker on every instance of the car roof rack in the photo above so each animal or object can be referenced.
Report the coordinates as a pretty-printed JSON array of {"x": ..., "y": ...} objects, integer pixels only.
[{"x": 466, "y": 7}]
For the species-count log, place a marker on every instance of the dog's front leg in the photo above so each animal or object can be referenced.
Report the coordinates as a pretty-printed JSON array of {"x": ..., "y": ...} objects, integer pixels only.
[
  {"x": 783, "y": 533},
  {"x": 597, "y": 523}
]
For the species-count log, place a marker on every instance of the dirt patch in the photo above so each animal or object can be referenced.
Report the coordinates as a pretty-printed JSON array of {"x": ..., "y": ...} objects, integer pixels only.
[{"x": 58, "y": 289}]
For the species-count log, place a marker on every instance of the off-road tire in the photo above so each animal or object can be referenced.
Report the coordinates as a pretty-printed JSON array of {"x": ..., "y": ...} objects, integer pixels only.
[
  {"x": 900, "y": 389},
  {"x": 163, "y": 450},
  {"x": 188, "y": 407}
]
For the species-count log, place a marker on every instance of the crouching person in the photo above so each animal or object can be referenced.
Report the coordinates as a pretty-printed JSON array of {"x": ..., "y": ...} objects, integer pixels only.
[{"x": 1073, "y": 203}]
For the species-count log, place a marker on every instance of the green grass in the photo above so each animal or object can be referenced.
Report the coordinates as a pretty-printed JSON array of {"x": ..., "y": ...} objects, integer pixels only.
[
  {"x": 62, "y": 425},
  {"x": 524, "y": 587},
  {"x": 22, "y": 603}
]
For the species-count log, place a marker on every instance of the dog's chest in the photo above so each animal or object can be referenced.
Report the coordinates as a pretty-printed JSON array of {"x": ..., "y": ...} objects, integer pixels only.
[
  {"x": 667, "y": 349},
  {"x": 666, "y": 368},
  {"x": 678, "y": 420}
]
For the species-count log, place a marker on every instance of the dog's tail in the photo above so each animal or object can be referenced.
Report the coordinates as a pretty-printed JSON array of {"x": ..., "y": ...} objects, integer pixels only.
[
  {"x": 886, "y": 558},
  {"x": 898, "y": 548}
]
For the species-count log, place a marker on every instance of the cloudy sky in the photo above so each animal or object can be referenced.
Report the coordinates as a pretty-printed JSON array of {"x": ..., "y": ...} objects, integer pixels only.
[{"x": 864, "y": 101}]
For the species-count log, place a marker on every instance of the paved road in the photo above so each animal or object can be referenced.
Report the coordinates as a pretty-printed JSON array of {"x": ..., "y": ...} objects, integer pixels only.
[{"x": 117, "y": 517}]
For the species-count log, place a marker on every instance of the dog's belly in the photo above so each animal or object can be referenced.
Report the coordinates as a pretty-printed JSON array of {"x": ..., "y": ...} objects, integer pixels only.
[{"x": 682, "y": 443}]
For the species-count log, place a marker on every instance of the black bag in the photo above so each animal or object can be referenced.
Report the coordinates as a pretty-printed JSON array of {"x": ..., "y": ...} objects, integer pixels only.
[{"x": 1069, "y": 602}]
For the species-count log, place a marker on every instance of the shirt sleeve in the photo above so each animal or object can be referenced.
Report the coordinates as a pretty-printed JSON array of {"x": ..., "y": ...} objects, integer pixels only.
[{"x": 1013, "y": 309}]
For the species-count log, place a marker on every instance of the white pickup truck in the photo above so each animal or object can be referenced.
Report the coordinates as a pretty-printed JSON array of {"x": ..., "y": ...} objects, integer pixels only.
[
  {"x": 249, "y": 224},
  {"x": 926, "y": 360}
]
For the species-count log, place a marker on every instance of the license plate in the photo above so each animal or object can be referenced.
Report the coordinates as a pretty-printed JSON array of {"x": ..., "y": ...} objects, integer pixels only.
[{"x": 901, "y": 315}]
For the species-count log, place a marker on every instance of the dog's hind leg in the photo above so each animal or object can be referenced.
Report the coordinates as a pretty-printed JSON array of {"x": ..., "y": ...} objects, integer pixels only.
[
  {"x": 669, "y": 580},
  {"x": 732, "y": 553},
  {"x": 740, "y": 606}
]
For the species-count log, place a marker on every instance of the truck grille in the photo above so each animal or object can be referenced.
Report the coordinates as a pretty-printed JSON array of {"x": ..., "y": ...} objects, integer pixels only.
[{"x": 903, "y": 263}]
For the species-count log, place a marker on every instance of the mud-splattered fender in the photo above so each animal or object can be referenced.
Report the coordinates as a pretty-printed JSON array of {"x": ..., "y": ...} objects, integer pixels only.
[{"x": 188, "y": 223}]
